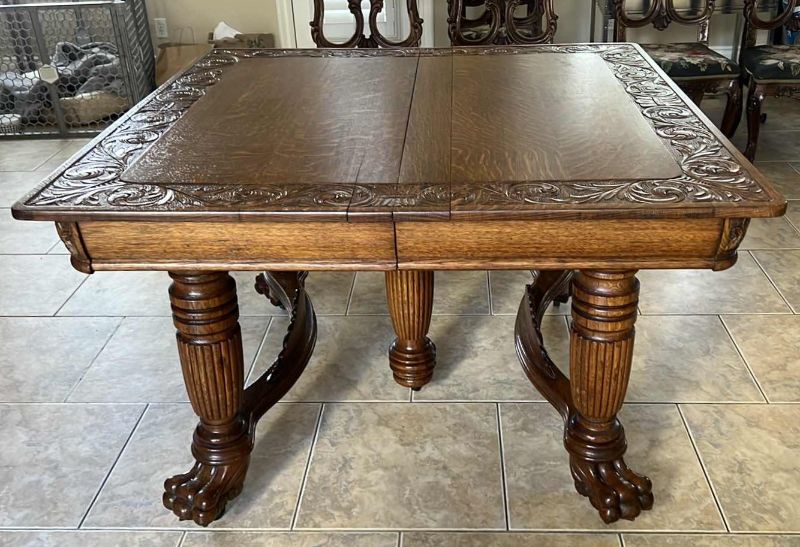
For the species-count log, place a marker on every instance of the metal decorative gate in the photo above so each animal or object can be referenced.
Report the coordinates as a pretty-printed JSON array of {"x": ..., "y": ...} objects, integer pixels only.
[{"x": 71, "y": 68}]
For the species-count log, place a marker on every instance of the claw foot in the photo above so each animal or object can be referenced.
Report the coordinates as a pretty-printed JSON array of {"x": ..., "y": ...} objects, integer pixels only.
[
  {"x": 202, "y": 494},
  {"x": 614, "y": 490}
]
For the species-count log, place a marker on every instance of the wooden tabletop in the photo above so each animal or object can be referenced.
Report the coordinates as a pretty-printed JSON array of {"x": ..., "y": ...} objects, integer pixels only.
[{"x": 572, "y": 131}]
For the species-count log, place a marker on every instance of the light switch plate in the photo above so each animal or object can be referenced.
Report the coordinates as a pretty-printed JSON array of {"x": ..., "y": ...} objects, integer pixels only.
[{"x": 162, "y": 30}]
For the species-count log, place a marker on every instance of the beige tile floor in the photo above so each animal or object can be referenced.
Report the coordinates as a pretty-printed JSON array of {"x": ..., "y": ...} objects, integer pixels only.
[{"x": 93, "y": 415}]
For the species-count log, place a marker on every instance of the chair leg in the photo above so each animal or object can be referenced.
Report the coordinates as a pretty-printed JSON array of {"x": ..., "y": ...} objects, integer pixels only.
[
  {"x": 755, "y": 98},
  {"x": 695, "y": 93},
  {"x": 733, "y": 109}
]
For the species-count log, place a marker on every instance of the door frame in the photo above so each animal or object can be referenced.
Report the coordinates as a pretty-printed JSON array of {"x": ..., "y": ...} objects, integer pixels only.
[{"x": 286, "y": 25}]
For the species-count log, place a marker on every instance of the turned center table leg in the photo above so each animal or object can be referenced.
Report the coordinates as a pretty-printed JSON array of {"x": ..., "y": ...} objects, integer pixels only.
[{"x": 412, "y": 355}]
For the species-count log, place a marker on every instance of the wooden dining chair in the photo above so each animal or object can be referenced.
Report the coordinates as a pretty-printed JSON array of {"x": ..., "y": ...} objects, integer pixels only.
[
  {"x": 501, "y": 23},
  {"x": 359, "y": 39},
  {"x": 694, "y": 66},
  {"x": 770, "y": 70}
]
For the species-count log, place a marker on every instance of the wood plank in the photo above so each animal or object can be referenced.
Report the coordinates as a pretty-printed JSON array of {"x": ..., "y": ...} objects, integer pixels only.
[
  {"x": 284, "y": 120},
  {"x": 246, "y": 245},
  {"x": 545, "y": 117},
  {"x": 559, "y": 244}
]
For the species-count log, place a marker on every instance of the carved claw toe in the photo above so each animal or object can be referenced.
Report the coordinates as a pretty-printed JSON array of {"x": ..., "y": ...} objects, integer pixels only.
[
  {"x": 202, "y": 494},
  {"x": 614, "y": 490}
]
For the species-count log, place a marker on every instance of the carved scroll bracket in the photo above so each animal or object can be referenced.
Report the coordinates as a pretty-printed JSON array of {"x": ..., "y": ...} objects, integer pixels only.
[{"x": 70, "y": 234}]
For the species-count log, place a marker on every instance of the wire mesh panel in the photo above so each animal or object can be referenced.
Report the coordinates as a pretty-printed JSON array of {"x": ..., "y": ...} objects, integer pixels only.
[{"x": 71, "y": 67}]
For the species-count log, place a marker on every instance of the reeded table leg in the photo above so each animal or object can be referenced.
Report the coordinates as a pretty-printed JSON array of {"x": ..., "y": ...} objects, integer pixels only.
[
  {"x": 601, "y": 349},
  {"x": 206, "y": 315},
  {"x": 412, "y": 355}
]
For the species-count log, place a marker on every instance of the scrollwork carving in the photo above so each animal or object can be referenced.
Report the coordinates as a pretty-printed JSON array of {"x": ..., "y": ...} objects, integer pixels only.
[{"x": 710, "y": 173}]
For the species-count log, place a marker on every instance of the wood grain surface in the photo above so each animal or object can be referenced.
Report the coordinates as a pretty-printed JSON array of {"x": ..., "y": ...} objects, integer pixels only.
[
  {"x": 287, "y": 120},
  {"x": 549, "y": 118}
]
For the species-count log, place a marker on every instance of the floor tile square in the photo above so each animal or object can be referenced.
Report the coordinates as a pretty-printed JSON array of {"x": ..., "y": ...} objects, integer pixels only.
[
  {"x": 771, "y": 346},
  {"x": 140, "y": 363},
  {"x": 782, "y": 114},
  {"x": 70, "y": 148},
  {"x": 455, "y": 293},
  {"x": 146, "y": 294},
  {"x": 44, "y": 357},
  {"x": 17, "y": 237},
  {"x": 541, "y": 493},
  {"x": 119, "y": 294},
  {"x": 793, "y": 212},
  {"x": 507, "y": 289},
  {"x": 159, "y": 448},
  {"x": 14, "y": 185},
  {"x": 90, "y": 538},
  {"x": 55, "y": 457},
  {"x": 405, "y": 466},
  {"x": 330, "y": 291},
  {"x": 36, "y": 285},
  {"x": 681, "y": 359},
  {"x": 771, "y": 233},
  {"x": 27, "y": 155},
  {"x": 477, "y": 361},
  {"x": 711, "y": 540},
  {"x": 750, "y": 454},
  {"x": 350, "y": 361},
  {"x": 783, "y": 175},
  {"x": 507, "y": 539},
  {"x": 777, "y": 145},
  {"x": 741, "y": 289},
  {"x": 290, "y": 539},
  {"x": 783, "y": 268}
]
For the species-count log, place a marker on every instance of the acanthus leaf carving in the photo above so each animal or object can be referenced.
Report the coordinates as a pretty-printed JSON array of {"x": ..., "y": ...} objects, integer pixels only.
[{"x": 710, "y": 172}]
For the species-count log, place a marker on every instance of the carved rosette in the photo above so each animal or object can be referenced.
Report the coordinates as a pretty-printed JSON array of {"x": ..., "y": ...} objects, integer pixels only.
[{"x": 710, "y": 173}]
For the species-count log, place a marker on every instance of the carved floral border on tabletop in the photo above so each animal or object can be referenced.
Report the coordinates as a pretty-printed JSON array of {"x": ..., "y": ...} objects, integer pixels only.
[{"x": 710, "y": 173}]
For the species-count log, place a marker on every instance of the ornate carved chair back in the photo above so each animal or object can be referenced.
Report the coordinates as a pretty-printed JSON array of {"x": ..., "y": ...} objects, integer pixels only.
[
  {"x": 772, "y": 69},
  {"x": 753, "y": 23},
  {"x": 660, "y": 14},
  {"x": 375, "y": 39},
  {"x": 501, "y": 23}
]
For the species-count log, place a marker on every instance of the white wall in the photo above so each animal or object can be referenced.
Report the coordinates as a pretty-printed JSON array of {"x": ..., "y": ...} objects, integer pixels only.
[{"x": 190, "y": 21}]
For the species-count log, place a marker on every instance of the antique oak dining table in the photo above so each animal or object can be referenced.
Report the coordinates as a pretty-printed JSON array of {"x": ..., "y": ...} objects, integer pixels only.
[{"x": 582, "y": 163}]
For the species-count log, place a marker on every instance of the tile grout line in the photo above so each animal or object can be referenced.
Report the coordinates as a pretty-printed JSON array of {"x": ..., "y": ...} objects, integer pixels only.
[
  {"x": 308, "y": 468},
  {"x": 181, "y": 540},
  {"x": 774, "y": 286},
  {"x": 503, "y": 478},
  {"x": 399, "y": 539},
  {"x": 621, "y": 540},
  {"x": 93, "y": 361},
  {"x": 489, "y": 292},
  {"x": 259, "y": 350},
  {"x": 113, "y": 465},
  {"x": 350, "y": 294},
  {"x": 703, "y": 467},
  {"x": 744, "y": 359},
  {"x": 84, "y": 280}
]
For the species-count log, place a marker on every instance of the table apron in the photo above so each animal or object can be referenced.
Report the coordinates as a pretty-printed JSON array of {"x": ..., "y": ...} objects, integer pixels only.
[{"x": 544, "y": 244}]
